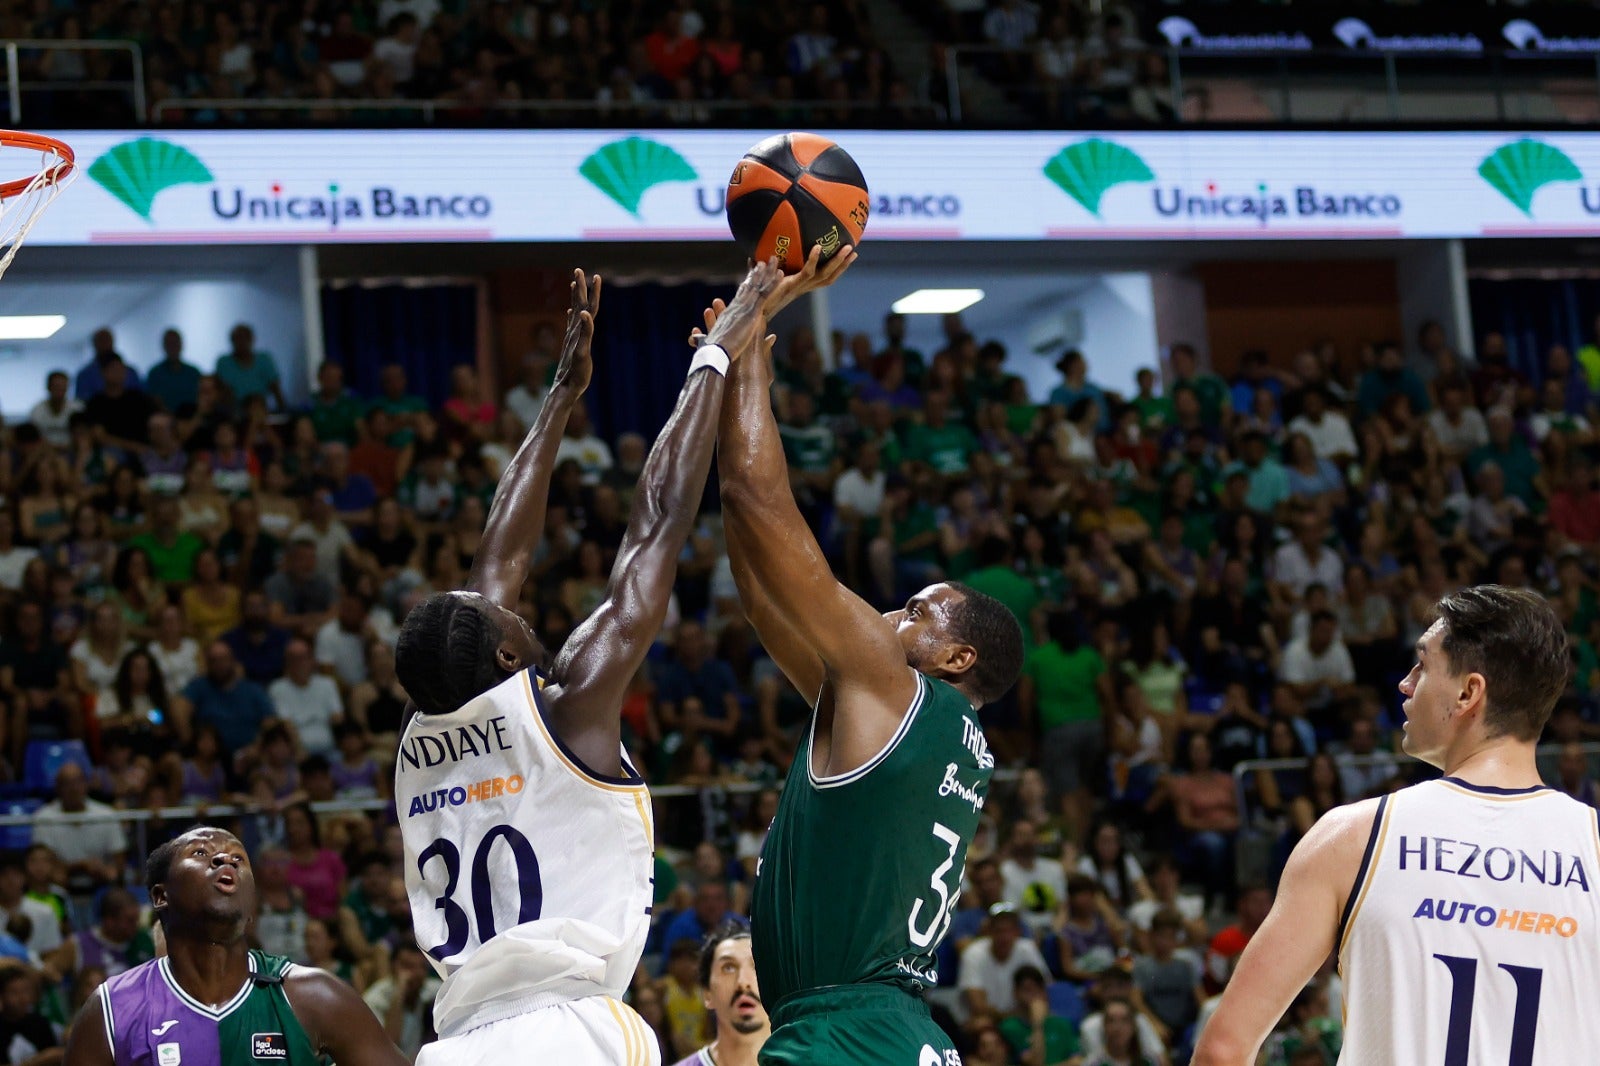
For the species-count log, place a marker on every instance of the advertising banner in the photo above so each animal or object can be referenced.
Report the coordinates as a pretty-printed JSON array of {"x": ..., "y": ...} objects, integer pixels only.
[
  {"x": 319, "y": 187},
  {"x": 1435, "y": 29}
]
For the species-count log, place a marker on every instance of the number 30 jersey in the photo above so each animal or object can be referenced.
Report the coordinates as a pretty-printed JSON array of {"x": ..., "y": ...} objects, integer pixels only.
[
  {"x": 1472, "y": 934},
  {"x": 861, "y": 872},
  {"x": 529, "y": 875}
]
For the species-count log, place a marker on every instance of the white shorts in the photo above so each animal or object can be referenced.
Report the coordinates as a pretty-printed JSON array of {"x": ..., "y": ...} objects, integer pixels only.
[{"x": 592, "y": 1031}]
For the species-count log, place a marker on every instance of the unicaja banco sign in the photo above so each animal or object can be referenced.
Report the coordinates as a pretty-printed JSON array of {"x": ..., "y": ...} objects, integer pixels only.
[
  {"x": 1087, "y": 170},
  {"x": 137, "y": 172}
]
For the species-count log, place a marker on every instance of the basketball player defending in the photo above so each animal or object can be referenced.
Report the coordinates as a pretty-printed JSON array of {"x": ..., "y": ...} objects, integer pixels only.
[
  {"x": 211, "y": 1001},
  {"x": 733, "y": 996},
  {"x": 862, "y": 868},
  {"x": 1464, "y": 910},
  {"x": 528, "y": 836}
]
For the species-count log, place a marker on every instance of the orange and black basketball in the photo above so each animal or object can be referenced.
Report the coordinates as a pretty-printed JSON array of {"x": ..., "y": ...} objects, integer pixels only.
[{"x": 793, "y": 191}]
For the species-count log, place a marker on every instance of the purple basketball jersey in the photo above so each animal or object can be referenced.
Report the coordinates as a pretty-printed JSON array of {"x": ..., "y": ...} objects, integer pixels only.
[{"x": 148, "y": 1024}]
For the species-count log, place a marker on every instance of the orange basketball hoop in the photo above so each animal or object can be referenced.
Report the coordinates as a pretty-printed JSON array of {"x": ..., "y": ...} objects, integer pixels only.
[{"x": 23, "y": 199}]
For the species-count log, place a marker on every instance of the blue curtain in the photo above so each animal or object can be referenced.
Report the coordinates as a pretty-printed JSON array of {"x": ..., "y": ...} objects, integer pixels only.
[
  {"x": 1535, "y": 313},
  {"x": 641, "y": 353},
  {"x": 427, "y": 330}
]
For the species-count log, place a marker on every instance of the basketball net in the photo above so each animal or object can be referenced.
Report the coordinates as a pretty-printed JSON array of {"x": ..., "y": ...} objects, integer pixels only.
[{"x": 23, "y": 200}]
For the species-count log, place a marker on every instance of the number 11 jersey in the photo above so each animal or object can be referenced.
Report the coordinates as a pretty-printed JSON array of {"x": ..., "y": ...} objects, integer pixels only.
[
  {"x": 530, "y": 876},
  {"x": 861, "y": 872},
  {"x": 1472, "y": 934}
]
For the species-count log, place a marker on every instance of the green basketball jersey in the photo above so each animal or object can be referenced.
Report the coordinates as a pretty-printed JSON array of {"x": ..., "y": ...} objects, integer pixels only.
[{"x": 861, "y": 872}]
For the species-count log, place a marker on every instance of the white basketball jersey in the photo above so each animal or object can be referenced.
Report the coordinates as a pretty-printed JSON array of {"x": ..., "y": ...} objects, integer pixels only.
[
  {"x": 1472, "y": 935},
  {"x": 530, "y": 877}
]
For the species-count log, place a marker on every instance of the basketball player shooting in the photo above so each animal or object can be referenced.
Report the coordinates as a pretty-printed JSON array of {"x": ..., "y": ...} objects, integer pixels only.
[
  {"x": 1463, "y": 910},
  {"x": 211, "y": 1001},
  {"x": 862, "y": 868},
  {"x": 527, "y": 834}
]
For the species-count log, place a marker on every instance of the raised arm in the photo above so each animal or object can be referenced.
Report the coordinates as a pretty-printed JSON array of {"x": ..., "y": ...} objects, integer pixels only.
[
  {"x": 599, "y": 659},
  {"x": 797, "y": 600},
  {"x": 516, "y": 517},
  {"x": 787, "y": 646}
]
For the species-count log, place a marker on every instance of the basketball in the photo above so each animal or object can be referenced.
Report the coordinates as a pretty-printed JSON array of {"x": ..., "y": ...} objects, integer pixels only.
[{"x": 793, "y": 191}]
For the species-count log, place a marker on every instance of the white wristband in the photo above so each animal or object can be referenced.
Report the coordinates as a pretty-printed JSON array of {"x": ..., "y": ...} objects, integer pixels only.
[{"x": 710, "y": 355}]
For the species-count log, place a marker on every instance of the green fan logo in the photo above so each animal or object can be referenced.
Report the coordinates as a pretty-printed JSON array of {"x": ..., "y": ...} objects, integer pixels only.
[
  {"x": 135, "y": 172},
  {"x": 1521, "y": 168},
  {"x": 627, "y": 169},
  {"x": 1087, "y": 169}
]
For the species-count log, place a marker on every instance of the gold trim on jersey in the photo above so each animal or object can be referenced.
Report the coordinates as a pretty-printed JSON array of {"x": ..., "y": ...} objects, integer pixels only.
[
  {"x": 1371, "y": 875},
  {"x": 642, "y": 788},
  {"x": 646, "y": 816},
  {"x": 645, "y": 1038},
  {"x": 628, "y": 1037}
]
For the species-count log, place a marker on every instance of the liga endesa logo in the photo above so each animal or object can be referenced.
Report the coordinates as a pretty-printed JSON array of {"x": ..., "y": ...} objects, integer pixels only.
[{"x": 136, "y": 172}]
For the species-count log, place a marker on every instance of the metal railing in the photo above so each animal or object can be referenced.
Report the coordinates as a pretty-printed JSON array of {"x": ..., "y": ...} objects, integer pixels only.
[
  {"x": 1544, "y": 754},
  {"x": 15, "y": 86},
  {"x": 1286, "y": 76},
  {"x": 430, "y": 110},
  {"x": 139, "y": 819}
]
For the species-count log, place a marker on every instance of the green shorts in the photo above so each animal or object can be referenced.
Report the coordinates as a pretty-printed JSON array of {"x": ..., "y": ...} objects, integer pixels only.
[{"x": 856, "y": 1025}]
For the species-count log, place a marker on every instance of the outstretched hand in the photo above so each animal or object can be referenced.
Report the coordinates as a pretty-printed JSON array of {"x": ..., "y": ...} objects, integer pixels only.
[
  {"x": 576, "y": 367},
  {"x": 811, "y": 277},
  {"x": 737, "y": 326}
]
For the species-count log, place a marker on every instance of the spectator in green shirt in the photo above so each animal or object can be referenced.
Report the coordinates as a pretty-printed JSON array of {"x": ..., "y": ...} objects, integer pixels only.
[
  {"x": 1269, "y": 481},
  {"x": 905, "y": 555},
  {"x": 877, "y": 425},
  {"x": 1388, "y": 378},
  {"x": 944, "y": 445},
  {"x": 1511, "y": 453},
  {"x": 402, "y": 407},
  {"x": 1065, "y": 689},
  {"x": 1155, "y": 412},
  {"x": 997, "y": 577},
  {"x": 811, "y": 449},
  {"x": 172, "y": 551},
  {"x": 1031, "y": 1026},
  {"x": 172, "y": 381},
  {"x": 248, "y": 372},
  {"x": 335, "y": 413},
  {"x": 1212, "y": 392}
]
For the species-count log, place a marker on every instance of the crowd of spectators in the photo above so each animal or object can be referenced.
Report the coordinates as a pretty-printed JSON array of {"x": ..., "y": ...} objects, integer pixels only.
[
  {"x": 201, "y": 589},
  {"x": 573, "y": 62},
  {"x": 629, "y": 62},
  {"x": 1067, "y": 61}
]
